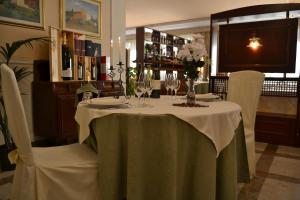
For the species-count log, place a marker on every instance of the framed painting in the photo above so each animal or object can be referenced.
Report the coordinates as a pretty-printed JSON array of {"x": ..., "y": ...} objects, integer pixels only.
[
  {"x": 27, "y": 13},
  {"x": 81, "y": 16}
]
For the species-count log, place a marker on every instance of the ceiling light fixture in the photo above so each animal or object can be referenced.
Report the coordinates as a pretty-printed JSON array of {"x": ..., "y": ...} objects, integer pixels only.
[{"x": 254, "y": 42}]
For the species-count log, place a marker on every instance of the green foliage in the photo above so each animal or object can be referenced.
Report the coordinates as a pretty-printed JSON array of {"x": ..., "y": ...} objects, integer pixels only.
[
  {"x": 132, "y": 72},
  {"x": 190, "y": 68},
  {"x": 8, "y": 50}
]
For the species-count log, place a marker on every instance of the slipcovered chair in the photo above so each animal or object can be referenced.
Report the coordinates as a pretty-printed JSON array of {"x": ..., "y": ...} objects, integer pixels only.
[
  {"x": 64, "y": 172},
  {"x": 244, "y": 88}
]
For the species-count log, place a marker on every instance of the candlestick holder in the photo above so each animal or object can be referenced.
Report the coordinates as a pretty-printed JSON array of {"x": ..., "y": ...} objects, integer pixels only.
[
  {"x": 112, "y": 74},
  {"x": 121, "y": 70}
]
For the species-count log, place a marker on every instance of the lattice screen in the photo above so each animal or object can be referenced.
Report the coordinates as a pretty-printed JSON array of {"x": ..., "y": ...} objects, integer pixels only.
[{"x": 284, "y": 87}]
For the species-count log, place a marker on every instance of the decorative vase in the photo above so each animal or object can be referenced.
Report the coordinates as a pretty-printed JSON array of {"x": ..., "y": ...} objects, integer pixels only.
[{"x": 190, "y": 96}]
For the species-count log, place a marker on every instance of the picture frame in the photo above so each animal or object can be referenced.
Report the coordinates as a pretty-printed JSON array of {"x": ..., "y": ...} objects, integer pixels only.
[
  {"x": 81, "y": 16},
  {"x": 29, "y": 14}
]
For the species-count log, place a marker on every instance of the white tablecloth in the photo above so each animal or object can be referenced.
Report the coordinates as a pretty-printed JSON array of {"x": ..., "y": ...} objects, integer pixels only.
[{"x": 218, "y": 121}]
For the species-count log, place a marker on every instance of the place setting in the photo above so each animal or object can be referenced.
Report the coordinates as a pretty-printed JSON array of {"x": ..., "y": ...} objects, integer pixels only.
[{"x": 119, "y": 102}]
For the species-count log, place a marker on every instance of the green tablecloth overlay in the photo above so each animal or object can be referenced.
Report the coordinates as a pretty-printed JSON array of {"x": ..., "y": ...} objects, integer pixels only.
[
  {"x": 146, "y": 157},
  {"x": 201, "y": 88}
]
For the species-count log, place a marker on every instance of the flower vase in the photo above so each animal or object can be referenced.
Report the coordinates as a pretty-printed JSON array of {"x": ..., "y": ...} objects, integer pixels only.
[{"x": 190, "y": 96}]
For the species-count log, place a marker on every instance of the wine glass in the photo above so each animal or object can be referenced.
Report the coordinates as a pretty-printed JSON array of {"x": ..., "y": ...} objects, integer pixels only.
[
  {"x": 167, "y": 83},
  {"x": 176, "y": 85},
  {"x": 171, "y": 83},
  {"x": 139, "y": 87},
  {"x": 149, "y": 87},
  {"x": 86, "y": 98}
]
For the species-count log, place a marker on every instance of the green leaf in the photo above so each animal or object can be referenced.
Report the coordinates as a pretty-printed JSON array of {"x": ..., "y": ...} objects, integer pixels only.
[
  {"x": 9, "y": 50},
  {"x": 21, "y": 72}
]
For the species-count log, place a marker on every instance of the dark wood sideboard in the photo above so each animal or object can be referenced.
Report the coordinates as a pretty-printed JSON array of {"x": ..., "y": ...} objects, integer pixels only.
[
  {"x": 54, "y": 104},
  {"x": 54, "y": 108}
]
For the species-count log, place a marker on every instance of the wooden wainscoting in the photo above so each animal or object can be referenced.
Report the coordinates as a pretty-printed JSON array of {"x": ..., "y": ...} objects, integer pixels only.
[{"x": 276, "y": 129}]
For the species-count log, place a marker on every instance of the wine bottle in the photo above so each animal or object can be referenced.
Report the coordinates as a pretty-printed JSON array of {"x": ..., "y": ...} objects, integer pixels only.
[
  {"x": 94, "y": 70},
  {"x": 156, "y": 84},
  {"x": 67, "y": 65},
  {"x": 80, "y": 69}
]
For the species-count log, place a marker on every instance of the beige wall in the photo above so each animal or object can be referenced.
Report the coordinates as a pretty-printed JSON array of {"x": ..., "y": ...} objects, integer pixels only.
[
  {"x": 12, "y": 33},
  {"x": 24, "y": 56}
]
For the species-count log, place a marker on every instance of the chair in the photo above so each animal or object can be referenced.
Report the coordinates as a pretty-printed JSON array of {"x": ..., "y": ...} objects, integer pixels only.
[
  {"x": 244, "y": 88},
  {"x": 64, "y": 172}
]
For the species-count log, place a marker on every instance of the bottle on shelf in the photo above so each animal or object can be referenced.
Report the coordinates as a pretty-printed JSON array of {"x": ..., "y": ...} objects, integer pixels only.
[
  {"x": 156, "y": 84},
  {"x": 94, "y": 69},
  {"x": 67, "y": 65},
  {"x": 80, "y": 69}
]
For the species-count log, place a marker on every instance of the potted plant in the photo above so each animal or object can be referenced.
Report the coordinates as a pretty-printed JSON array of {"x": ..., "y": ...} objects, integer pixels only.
[
  {"x": 7, "y": 52},
  {"x": 131, "y": 76}
]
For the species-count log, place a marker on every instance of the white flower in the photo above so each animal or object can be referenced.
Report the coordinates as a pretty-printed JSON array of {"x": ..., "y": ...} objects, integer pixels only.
[
  {"x": 194, "y": 50},
  {"x": 183, "y": 53}
]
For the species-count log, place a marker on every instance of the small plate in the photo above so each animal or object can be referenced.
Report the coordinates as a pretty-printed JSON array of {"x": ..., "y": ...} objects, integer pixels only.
[
  {"x": 106, "y": 103},
  {"x": 208, "y": 96}
]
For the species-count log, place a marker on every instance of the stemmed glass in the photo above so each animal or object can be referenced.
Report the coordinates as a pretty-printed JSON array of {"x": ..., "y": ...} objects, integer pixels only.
[
  {"x": 168, "y": 82},
  {"x": 86, "y": 98},
  {"x": 172, "y": 83},
  {"x": 148, "y": 86},
  {"x": 176, "y": 84},
  {"x": 143, "y": 78},
  {"x": 139, "y": 89}
]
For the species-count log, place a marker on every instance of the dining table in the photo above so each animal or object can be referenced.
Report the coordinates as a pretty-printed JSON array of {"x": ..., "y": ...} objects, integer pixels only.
[{"x": 164, "y": 149}]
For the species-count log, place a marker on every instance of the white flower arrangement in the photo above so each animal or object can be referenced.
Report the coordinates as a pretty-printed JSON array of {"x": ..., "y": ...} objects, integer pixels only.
[
  {"x": 194, "y": 50},
  {"x": 192, "y": 56}
]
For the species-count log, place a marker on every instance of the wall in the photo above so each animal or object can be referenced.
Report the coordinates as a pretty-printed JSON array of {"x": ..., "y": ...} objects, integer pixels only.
[
  {"x": 118, "y": 23},
  {"x": 24, "y": 56}
]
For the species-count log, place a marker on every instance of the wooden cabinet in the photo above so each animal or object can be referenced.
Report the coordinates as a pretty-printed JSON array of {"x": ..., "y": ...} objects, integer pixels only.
[
  {"x": 54, "y": 107},
  {"x": 276, "y": 129},
  {"x": 158, "y": 50}
]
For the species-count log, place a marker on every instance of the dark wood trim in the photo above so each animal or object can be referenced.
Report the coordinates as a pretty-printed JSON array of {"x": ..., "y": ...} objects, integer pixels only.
[
  {"x": 297, "y": 137},
  {"x": 279, "y": 38},
  {"x": 255, "y": 10}
]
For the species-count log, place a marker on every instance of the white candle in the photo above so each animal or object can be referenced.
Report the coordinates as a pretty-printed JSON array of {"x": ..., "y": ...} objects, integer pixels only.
[
  {"x": 119, "y": 49},
  {"x": 111, "y": 52}
]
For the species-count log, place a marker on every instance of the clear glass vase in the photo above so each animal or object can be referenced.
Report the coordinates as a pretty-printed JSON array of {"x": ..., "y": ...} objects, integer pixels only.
[{"x": 190, "y": 96}]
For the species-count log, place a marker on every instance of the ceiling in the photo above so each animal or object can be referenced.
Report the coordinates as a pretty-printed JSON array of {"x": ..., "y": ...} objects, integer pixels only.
[{"x": 149, "y": 12}]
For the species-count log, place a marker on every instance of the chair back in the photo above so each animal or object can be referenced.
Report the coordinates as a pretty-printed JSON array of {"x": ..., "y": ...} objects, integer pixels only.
[
  {"x": 244, "y": 88},
  {"x": 17, "y": 122}
]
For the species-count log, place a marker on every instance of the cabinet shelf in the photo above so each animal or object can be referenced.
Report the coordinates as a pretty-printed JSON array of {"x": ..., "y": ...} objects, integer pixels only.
[
  {"x": 167, "y": 69},
  {"x": 157, "y": 50}
]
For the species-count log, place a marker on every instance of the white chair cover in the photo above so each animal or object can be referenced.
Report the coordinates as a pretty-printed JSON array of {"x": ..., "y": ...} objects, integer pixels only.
[
  {"x": 244, "y": 88},
  {"x": 65, "y": 172}
]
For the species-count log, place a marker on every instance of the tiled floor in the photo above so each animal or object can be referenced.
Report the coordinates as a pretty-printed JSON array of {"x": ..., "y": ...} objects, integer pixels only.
[{"x": 277, "y": 175}]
